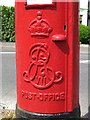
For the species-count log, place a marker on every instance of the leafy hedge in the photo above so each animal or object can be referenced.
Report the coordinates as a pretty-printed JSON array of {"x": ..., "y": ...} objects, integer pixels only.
[
  {"x": 84, "y": 34},
  {"x": 7, "y": 24},
  {"x": 7, "y": 27}
]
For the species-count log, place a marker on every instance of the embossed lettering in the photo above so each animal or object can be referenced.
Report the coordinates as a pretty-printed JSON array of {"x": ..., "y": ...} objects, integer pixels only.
[
  {"x": 57, "y": 96},
  {"x": 40, "y": 97},
  {"x": 30, "y": 96},
  {"x": 51, "y": 97},
  {"x": 43, "y": 96}
]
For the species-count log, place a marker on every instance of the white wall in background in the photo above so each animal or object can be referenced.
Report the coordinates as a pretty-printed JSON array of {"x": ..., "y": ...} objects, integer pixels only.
[
  {"x": 84, "y": 6},
  {"x": 7, "y": 2}
]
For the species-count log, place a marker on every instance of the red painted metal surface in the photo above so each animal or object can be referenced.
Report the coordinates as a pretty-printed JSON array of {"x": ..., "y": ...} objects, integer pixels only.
[{"x": 47, "y": 54}]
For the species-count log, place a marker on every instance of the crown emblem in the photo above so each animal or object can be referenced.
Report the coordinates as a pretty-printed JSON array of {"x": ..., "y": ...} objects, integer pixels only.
[{"x": 39, "y": 27}]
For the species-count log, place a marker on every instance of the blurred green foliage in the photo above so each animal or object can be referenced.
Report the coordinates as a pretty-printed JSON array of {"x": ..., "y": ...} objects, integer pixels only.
[
  {"x": 84, "y": 34},
  {"x": 7, "y": 24}
]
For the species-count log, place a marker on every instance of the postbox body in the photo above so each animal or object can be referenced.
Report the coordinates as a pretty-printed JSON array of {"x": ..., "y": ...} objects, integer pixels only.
[{"x": 47, "y": 54}]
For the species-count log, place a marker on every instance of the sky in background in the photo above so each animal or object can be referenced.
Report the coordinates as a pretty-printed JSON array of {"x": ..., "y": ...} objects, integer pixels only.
[{"x": 7, "y": 2}]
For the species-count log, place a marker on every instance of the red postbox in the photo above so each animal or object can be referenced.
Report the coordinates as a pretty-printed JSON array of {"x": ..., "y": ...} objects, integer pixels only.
[{"x": 47, "y": 54}]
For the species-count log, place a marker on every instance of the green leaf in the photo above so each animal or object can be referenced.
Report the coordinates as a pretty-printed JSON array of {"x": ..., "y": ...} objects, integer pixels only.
[{"x": 7, "y": 17}]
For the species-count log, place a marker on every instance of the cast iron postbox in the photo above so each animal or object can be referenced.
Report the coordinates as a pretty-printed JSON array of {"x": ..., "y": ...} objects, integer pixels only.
[{"x": 47, "y": 54}]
